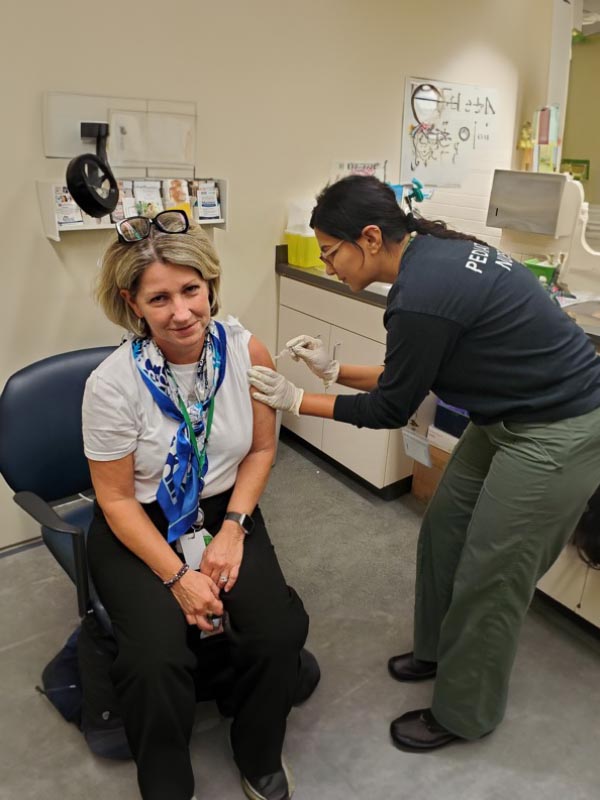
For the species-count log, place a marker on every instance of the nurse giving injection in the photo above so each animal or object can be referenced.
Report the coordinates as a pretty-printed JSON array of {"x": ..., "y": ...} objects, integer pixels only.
[{"x": 469, "y": 323}]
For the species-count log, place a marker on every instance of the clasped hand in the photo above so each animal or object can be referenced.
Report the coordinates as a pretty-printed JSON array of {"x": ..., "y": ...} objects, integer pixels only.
[
  {"x": 198, "y": 597},
  {"x": 198, "y": 592}
]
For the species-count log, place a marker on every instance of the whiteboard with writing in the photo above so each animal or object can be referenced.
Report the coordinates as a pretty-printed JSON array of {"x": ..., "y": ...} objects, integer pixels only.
[{"x": 449, "y": 130}]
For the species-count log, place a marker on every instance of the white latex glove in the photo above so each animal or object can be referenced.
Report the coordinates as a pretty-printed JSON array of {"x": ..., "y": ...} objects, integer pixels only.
[
  {"x": 312, "y": 351},
  {"x": 275, "y": 390}
]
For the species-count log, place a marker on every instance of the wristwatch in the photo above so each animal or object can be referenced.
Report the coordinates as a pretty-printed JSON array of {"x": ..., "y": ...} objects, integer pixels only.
[{"x": 245, "y": 521}]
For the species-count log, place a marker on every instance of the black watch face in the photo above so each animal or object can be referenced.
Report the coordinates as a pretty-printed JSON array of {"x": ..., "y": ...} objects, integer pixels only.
[{"x": 248, "y": 525}]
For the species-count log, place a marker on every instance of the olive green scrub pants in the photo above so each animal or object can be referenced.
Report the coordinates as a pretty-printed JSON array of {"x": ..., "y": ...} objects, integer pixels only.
[{"x": 509, "y": 500}]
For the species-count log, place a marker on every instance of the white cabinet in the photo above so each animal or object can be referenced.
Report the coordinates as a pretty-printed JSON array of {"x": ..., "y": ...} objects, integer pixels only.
[
  {"x": 353, "y": 332},
  {"x": 573, "y": 584},
  {"x": 291, "y": 323},
  {"x": 362, "y": 450}
]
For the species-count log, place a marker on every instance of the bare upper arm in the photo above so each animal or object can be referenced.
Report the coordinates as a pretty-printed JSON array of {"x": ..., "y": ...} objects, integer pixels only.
[
  {"x": 113, "y": 480},
  {"x": 263, "y": 436}
]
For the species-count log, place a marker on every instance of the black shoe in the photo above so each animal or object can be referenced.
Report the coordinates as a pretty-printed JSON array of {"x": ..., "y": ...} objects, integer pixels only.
[
  {"x": 418, "y": 731},
  {"x": 276, "y": 786},
  {"x": 408, "y": 668}
]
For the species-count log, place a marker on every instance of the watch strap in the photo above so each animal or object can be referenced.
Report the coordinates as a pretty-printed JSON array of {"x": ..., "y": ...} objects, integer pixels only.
[{"x": 245, "y": 521}]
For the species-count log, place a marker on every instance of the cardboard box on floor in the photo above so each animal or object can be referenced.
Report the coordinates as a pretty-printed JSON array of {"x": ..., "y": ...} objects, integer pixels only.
[{"x": 426, "y": 479}]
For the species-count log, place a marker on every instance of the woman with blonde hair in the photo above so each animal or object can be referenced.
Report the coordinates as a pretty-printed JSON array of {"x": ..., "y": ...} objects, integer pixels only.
[{"x": 179, "y": 455}]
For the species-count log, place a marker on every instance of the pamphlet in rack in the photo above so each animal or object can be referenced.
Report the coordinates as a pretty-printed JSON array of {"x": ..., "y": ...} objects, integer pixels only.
[
  {"x": 175, "y": 194},
  {"x": 209, "y": 206},
  {"x": 126, "y": 202},
  {"x": 148, "y": 198},
  {"x": 66, "y": 209}
]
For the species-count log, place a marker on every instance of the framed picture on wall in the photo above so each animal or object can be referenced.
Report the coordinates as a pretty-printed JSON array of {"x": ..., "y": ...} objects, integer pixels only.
[{"x": 578, "y": 167}]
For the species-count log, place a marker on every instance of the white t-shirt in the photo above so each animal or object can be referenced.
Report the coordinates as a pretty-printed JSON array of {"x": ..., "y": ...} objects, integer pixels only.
[{"x": 120, "y": 417}]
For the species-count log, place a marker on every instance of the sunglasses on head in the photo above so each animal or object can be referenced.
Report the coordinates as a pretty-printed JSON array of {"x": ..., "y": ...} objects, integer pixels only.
[{"x": 134, "y": 229}]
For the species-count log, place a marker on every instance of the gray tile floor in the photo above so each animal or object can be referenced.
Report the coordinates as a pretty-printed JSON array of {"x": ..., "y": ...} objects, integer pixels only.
[{"x": 351, "y": 556}]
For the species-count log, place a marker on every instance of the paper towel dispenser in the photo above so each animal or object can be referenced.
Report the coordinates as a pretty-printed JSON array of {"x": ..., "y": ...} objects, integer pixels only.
[{"x": 528, "y": 201}]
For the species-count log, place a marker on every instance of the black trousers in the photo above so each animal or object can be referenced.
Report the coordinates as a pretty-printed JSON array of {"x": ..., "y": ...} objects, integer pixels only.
[{"x": 162, "y": 661}]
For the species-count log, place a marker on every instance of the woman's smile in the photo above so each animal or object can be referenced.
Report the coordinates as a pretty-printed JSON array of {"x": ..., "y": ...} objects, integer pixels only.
[{"x": 187, "y": 328}]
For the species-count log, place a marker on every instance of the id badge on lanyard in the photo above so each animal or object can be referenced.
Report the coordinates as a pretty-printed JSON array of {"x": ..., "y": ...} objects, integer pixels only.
[{"x": 193, "y": 543}]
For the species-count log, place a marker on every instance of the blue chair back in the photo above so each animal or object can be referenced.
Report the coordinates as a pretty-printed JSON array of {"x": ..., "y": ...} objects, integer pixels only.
[{"x": 41, "y": 445}]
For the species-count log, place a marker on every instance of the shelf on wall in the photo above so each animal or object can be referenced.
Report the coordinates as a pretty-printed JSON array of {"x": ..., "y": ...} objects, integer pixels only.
[{"x": 53, "y": 231}]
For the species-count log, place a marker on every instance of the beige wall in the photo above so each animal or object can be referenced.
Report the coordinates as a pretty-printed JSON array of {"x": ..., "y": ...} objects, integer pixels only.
[
  {"x": 282, "y": 88},
  {"x": 582, "y": 139}
]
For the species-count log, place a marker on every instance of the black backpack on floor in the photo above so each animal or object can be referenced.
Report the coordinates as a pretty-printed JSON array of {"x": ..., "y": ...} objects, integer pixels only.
[{"x": 78, "y": 684}]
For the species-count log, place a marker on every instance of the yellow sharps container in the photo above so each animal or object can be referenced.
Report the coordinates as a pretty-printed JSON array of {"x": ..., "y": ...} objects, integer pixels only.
[{"x": 303, "y": 249}]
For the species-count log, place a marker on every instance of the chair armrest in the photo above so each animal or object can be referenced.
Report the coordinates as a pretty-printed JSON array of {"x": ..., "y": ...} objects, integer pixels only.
[
  {"x": 46, "y": 516},
  {"x": 44, "y": 513}
]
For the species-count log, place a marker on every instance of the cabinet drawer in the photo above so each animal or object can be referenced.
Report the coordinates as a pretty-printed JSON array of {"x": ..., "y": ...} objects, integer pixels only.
[
  {"x": 352, "y": 331},
  {"x": 352, "y": 315},
  {"x": 362, "y": 450},
  {"x": 292, "y": 323}
]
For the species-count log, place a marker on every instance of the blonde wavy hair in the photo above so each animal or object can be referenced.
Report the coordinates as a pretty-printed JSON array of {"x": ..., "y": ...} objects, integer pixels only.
[{"x": 122, "y": 266}]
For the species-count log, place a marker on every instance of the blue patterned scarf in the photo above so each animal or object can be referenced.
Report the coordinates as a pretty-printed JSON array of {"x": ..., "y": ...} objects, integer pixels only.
[{"x": 182, "y": 480}]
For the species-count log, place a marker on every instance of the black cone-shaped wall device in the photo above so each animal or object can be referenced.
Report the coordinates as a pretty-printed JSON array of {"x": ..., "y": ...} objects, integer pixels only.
[{"x": 89, "y": 177}]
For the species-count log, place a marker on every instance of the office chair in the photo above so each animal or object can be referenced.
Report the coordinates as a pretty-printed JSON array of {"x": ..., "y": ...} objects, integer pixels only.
[{"x": 42, "y": 459}]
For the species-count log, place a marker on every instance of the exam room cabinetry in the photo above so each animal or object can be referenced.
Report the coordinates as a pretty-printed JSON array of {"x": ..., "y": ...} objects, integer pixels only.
[{"x": 351, "y": 331}]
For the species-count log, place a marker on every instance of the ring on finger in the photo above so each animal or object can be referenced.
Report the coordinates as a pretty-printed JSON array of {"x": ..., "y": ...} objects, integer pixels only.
[{"x": 223, "y": 579}]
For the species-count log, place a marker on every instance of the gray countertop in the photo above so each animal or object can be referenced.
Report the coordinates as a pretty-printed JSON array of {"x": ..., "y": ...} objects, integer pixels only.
[{"x": 375, "y": 295}]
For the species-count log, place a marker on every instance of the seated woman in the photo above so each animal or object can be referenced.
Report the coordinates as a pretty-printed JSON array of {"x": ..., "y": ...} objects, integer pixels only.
[{"x": 179, "y": 450}]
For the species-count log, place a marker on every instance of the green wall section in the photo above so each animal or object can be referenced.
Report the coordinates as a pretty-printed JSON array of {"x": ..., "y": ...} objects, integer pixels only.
[{"x": 582, "y": 124}]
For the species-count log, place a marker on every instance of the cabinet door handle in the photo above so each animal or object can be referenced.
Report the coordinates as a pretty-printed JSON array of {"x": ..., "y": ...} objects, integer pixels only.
[{"x": 335, "y": 349}]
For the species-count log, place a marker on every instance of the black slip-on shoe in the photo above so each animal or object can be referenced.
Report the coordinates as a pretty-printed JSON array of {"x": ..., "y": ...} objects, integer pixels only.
[
  {"x": 418, "y": 732},
  {"x": 408, "y": 668}
]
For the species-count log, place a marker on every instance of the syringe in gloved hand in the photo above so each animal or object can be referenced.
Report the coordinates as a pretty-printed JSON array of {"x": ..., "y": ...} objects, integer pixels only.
[
  {"x": 313, "y": 352},
  {"x": 285, "y": 352}
]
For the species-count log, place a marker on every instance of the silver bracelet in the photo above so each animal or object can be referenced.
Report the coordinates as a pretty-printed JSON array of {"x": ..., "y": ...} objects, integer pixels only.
[{"x": 177, "y": 577}]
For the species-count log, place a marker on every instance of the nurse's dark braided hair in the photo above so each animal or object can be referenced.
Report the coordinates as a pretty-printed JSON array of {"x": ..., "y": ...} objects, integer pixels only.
[{"x": 344, "y": 208}]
